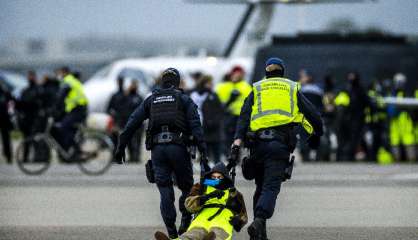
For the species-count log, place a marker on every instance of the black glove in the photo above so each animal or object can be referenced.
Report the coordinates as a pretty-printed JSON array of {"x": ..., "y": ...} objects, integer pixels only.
[
  {"x": 215, "y": 194},
  {"x": 235, "y": 221},
  {"x": 233, "y": 156},
  {"x": 314, "y": 141},
  {"x": 119, "y": 156}
]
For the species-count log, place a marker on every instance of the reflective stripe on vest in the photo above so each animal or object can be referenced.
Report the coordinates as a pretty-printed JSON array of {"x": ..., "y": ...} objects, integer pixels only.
[{"x": 275, "y": 103}]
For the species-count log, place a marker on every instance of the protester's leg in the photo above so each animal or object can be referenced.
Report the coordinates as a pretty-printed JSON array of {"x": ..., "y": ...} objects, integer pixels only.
[{"x": 194, "y": 234}]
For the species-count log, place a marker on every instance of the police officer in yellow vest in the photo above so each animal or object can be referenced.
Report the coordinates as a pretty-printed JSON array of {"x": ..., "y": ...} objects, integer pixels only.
[
  {"x": 401, "y": 127},
  {"x": 75, "y": 109},
  {"x": 218, "y": 206},
  {"x": 232, "y": 95},
  {"x": 269, "y": 114}
]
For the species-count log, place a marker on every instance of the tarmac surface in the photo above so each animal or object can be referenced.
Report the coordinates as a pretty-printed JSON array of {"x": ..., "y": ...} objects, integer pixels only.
[{"x": 322, "y": 201}]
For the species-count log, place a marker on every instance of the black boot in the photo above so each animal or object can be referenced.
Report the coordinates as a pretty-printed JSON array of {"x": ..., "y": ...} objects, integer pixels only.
[
  {"x": 172, "y": 231},
  {"x": 185, "y": 223},
  {"x": 255, "y": 230}
]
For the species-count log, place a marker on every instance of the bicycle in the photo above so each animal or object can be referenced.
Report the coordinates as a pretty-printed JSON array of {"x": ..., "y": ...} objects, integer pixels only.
[{"x": 94, "y": 158}]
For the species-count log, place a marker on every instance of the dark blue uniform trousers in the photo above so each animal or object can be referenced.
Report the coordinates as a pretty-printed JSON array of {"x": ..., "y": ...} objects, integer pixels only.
[
  {"x": 67, "y": 128},
  {"x": 169, "y": 159},
  {"x": 271, "y": 159}
]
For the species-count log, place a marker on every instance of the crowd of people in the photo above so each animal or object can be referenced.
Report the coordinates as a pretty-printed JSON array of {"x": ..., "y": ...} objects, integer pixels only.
[
  {"x": 358, "y": 124},
  {"x": 59, "y": 96}
]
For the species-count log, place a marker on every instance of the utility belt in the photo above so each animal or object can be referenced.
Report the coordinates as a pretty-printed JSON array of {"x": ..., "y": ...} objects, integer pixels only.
[
  {"x": 282, "y": 134},
  {"x": 165, "y": 136}
]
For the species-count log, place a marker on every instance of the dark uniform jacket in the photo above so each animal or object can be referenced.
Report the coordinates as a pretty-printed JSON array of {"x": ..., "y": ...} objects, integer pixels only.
[{"x": 143, "y": 112}]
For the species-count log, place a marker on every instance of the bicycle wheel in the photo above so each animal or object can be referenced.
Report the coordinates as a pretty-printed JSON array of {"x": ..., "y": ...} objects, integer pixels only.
[
  {"x": 33, "y": 156},
  {"x": 96, "y": 153}
]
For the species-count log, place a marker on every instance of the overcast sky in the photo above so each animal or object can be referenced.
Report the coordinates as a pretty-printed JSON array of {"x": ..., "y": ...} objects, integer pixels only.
[{"x": 176, "y": 18}]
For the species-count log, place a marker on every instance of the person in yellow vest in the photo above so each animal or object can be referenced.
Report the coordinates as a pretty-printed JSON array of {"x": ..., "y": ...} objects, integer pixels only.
[
  {"x": 219, "y": 208},
  {"x": 232, "y": 94},
  {"x": 377, "y": 124},
  {"x": 401, "y": 127},
  {"x": 75, "y": 109},
  {"x": 266, "y": 123}
]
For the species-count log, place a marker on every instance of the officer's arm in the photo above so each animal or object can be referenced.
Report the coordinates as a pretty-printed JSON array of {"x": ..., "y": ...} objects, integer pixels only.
[
  {"x": 245, "y": 117},
  {"x": 193, "y": 119},
  {"x": 310, "y": 113},
  {"x": 134, "y": 122}
]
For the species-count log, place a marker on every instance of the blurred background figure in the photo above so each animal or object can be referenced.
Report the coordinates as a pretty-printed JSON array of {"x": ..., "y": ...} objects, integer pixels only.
[
  {"x": 121, "y": 105},
  {"x": 232, "y": 94},
  {"x": 314, "y": 93},
  {"x": 401, "y": 129},
  {"x": 48, "y": 89},
  {"x": 133, "y": 100},
  {"x": 376, "y": 120},
  {"x": 5, "y": 123},
  {"x": 351, "y": 103},
  {"x": 115, "y": 108},
  {"x": 211, "y": 114},
  {"x": 28, "y": 107},
  {"x": 72, "y": 96},
  {"x": 329, "y": 140}
]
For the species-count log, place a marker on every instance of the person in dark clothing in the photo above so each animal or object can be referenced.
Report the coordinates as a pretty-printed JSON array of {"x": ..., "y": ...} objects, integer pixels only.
[
  {"x": 351, "y": 104},
  {"x": 28, "y": 107},
  {"x": 173, "y": 117},
  {"x": 5, "y": 122},
  {"x": 133, "y": 100},
  {"x": 268, "y": 116},
  {"x": 49, "y": 99},
  {"x": 116, "y": 109},
  {"x": 314, "y": 94},
  {"x": 211, "y": 111},
  {"x": 328, "y": 147}
]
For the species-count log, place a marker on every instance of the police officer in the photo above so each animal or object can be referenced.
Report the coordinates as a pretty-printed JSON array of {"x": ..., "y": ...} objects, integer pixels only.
[
  {"x": 172, "y": 117},
  {"x": 75, "y": 109},
  {"x": 269, "y": 115}
]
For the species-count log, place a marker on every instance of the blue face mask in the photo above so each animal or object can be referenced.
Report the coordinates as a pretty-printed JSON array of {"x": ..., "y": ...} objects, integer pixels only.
[{"x": 211, "y": 182}]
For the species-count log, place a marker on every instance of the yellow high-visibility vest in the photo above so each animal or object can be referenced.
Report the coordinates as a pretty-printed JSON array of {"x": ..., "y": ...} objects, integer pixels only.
[
  {"x": 275, "y": 104},
  {"x": 76, "y": 96},
  {"x": 221, "y": 220},
  {"x": 224, "y": 91}
]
